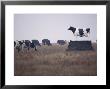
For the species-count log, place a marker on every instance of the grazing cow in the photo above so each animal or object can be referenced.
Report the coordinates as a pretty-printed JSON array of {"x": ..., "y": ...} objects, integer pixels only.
[
  {"x": 27, "y": 44},
  {"x": 17, "y": 45},
  {"x": 61, "y": 42},
  {"x": 46, "y": 42},
  {"x": 20, "y": 45},
  {"x": 34, "y": 44}
]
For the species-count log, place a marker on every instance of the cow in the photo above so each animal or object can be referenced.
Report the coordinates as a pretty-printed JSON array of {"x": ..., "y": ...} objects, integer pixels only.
[
  {"x": 46, "y": 42},
  {"x": 61, "y": 42},
  {"x": 18, "y": 45},
  {"x": 22, "y": 45},
  {"x": 27, "y": 44},
  {"x": 34, "y": 44},
  {"x": 80, "y": 31}
]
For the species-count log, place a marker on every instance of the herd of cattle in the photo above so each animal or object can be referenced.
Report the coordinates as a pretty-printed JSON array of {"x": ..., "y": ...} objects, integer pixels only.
[
  {"x": 27, "y": 44},
  {"x": 20, "y": 45}
]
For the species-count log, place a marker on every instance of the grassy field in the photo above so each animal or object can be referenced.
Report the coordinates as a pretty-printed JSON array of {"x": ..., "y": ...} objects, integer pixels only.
[{"x": 55, "y": 61}]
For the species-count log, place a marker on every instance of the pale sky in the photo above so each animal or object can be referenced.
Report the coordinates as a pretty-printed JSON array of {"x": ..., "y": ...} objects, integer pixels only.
[{"x": 53, "y": 26}]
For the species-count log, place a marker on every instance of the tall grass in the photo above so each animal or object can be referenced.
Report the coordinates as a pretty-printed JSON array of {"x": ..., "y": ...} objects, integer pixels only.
[{"x": 55, "y": 61}]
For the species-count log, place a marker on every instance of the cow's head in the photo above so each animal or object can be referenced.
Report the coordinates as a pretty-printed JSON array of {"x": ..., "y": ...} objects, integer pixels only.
[{"x": 72, "y": 29}]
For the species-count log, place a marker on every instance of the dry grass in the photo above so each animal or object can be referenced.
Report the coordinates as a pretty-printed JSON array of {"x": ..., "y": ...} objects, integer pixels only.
[{"x": 55, "y": 61}]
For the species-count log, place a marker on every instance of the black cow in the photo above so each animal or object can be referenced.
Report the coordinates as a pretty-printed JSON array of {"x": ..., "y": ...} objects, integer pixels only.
[
  {"x": 34, "y": 44},
  {"x": 27, "y": 43},
  {"x": 46, "y": 42},
  {"x": 61, "y": 42}
]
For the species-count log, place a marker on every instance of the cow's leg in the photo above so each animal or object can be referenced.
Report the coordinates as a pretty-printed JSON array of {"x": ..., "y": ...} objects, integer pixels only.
[
  {"x": 28, "y": 48},
  {"x": 35, "y": 48},
  {"x": 19, "y": 49},
  {"x": 22, "y": 46}
]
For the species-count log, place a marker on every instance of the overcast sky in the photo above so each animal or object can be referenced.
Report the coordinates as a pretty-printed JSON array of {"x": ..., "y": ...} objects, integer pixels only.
[{"x": 53, "y": 26}]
